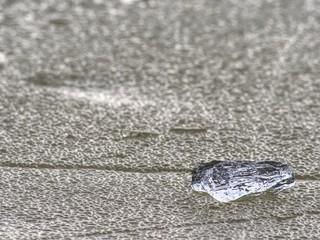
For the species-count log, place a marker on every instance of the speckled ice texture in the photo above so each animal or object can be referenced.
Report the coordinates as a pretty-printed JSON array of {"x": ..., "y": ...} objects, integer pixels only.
[{"x": 106, "y": 106}]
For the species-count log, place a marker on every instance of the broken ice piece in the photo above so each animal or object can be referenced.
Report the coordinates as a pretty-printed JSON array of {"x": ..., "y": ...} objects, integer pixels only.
[{"x": 229, "y": 180}]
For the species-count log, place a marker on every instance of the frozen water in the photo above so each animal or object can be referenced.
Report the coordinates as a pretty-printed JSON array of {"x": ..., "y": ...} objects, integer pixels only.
[
  {"x": 104, "y": 106},
  {"x": 230, "y": 180},
  {"x": 3, "y": 58}
]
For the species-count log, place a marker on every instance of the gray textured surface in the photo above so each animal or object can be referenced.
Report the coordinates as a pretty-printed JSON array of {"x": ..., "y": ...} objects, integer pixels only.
[{"x": 104, "y": 107}]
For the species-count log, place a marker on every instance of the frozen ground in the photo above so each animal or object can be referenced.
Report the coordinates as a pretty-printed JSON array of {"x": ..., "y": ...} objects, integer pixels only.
[{"x": 105, "y": 106}]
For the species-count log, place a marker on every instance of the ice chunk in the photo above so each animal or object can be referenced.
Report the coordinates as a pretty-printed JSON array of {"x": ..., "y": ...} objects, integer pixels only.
[{"x": 229, "y": 180}]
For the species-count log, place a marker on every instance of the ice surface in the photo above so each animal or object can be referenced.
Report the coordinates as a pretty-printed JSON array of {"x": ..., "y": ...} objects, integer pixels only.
[
  {"x": 230, "y": 180},
  {"x": 105, "y": 106}
]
